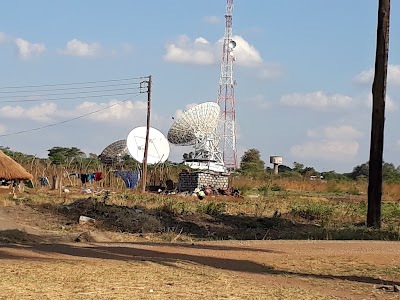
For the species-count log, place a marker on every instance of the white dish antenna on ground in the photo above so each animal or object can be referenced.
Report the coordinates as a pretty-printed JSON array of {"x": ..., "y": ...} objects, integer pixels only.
[
  {"x": 114, "y": 152},
  {"x": 158, "y": 147},
  {"x": 197, "y": 127},
  {"x": 194, "y": 124}
]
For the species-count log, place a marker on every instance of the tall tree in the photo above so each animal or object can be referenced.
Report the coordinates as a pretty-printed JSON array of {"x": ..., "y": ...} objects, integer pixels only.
[
  {"x": 252, "y": 164},
  {"x": 63, "y": 155},
  {"x": 378, "y": 116}
]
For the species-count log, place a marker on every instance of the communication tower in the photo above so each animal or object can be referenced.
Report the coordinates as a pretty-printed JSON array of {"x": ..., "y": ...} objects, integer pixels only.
[{"x": 226, "y": 95}]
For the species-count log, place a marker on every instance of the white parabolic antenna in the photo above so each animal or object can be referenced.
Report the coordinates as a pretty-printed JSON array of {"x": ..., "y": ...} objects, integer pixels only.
[
  {"x": 195, "y": 123},
  {"x": 114, "y": 152},
  {"x": 197, "y": 127},
  {"x": 158, "y": 147}
]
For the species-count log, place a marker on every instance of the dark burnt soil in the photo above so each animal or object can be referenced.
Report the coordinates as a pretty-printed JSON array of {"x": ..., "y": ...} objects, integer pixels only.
[{"x": 63, "y": 220}]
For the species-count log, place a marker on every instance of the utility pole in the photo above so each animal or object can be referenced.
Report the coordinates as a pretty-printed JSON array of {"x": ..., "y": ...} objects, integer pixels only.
[
  {"x": 146, "y": 145},
  {"x": 378, "y": 116}
]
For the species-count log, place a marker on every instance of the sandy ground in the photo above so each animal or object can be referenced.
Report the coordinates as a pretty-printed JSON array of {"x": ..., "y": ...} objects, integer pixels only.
[{"x": 41, "y": 268}]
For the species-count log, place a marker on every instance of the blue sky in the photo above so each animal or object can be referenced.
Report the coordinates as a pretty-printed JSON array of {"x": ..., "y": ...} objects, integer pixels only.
[{"x": 303, "y": 72}]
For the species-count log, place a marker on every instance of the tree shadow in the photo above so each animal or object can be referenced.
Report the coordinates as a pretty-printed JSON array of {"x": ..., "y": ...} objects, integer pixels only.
[
  {"x": 170, "y": 259},
  {"x": 196, "y": 246}
]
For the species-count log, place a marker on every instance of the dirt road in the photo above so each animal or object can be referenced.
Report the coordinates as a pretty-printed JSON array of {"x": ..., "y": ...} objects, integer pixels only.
[
  {"x": 38, "y": 261},
  {"x": 209, "y": 270}
]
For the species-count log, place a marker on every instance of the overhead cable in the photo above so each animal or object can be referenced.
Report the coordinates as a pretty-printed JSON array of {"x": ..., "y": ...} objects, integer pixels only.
[
  {"x": 69, "y": 88},
  {"x": 67, "y": 98},
  {"x": 71, "y": 83},
  {"x": 67, "y": 93}
]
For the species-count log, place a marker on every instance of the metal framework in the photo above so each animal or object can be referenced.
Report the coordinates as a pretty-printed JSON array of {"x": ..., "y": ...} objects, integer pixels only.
[
  {"x": 197, "y": 127},
  {"x": 226, "y": 95}
]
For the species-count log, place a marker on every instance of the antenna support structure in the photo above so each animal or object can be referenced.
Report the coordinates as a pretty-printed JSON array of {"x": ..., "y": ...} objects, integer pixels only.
[{"x": 226, "y": 96}]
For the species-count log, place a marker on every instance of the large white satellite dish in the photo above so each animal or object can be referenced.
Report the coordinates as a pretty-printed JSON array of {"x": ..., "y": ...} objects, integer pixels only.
[
  {"x": 114, "y": 152},
  {"x": 158, "y": 147},
  {"x": 197, "y": 127},
  {"x": 195, "y": 123}
]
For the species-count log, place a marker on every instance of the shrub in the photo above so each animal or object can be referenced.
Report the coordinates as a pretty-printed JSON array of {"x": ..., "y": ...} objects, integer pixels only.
[
  {"x": 313, "y": 211},
  {"x": 211, "y": 208},
  {"x": 276, "y": 188}
]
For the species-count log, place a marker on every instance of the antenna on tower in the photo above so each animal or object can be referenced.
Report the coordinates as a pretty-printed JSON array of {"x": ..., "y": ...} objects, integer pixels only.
[{"x": 226, "y": 95}]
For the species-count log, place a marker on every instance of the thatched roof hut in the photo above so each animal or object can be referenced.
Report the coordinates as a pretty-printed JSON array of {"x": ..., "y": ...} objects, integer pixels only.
[{"x": 10, "y": 169}]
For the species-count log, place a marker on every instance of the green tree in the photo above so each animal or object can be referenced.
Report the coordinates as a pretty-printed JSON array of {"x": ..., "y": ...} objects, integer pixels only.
[
  {"x": 390, "y": 173},
  {"x": 332, "y": 175},
  {"x": 298, "y": 167},
  {"x": 251, "y": 163},
  {"x": 63, "y": 155},
  {"x": 360, "y": 171}
]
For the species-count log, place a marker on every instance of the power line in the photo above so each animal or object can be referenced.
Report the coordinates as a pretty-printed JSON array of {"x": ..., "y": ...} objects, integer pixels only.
[
  {"x": 67, "y": 98},
  {"x": 61, "y": 94},
  {"x": 68, "y": 120},
  {"x": 71, "y": 83},
  {"x": 69, "y": 88}
]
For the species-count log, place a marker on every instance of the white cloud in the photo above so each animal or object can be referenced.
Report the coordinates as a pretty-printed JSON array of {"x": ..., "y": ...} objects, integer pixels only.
[
  {"x": 211, "y": 19},
  {"x": 260, "y": 102},
  {"x": 317, "y": 100},
  {"x": 117, "y": 112},
  {"x": 27, "y": 50},
  {"x": 42, "y": 112},
  {"x": 3, "y": 37},
  {"x": 327, "y": 150},
  {"x": 329, "y": 143},
  {"x": 3, "y": 129},
  {"x": 187, "y": 52},
  {"x": 201, "y": 51},
  {"x": 76, "y": 47},
  {"x": 246, "y": 54},
  {"x": 367, "y": 76},
  {"x": 179, "y": 112},
  {"x": 270, "y": 71},
  {"x": 343, "y": 132},
  {"x": 390, "y": 105}
]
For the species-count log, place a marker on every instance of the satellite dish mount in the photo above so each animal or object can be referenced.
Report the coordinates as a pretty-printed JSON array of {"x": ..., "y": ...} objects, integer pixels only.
[{"x": 197, "y": 127}]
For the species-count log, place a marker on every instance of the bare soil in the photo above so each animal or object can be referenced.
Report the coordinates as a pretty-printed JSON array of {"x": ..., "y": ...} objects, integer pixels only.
[{"x": 45, "y": 253}]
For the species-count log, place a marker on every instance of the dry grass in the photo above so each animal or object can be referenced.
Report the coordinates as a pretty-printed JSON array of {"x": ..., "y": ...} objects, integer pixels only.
[
  {"x": 390, "y": 192},
  {"x": 282, "y": 272},
  {"x": 97, "y": 279},
  {"x": 268, "y": 270}
]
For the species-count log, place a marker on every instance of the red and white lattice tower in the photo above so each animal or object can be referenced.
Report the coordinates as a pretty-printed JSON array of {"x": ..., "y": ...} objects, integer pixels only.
[{"x": 226, "y": 95}]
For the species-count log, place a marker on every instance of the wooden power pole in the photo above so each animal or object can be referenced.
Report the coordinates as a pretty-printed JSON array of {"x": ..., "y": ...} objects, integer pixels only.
[
  {"x": 378, "y": 116},
  {"x": 146, "y": 146}
]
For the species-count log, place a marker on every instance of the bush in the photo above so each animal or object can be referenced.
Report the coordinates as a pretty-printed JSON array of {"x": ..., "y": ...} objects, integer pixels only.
[
  {"x": 263, "y": 189},
  {"x": 211, "y": 208},
  {"x": 391, "y": 210},
  {"x": 276, "y": 188},
  {"x": 313, "y": 211}
]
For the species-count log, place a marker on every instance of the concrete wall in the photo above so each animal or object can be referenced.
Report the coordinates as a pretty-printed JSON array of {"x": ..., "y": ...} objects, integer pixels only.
[{"x": 188, "y": 182}]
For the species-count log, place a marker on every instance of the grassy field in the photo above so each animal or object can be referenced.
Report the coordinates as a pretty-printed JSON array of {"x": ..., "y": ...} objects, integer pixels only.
[
  {"x": 151, "y": 246},
  {"x": 278, "y": 209}
]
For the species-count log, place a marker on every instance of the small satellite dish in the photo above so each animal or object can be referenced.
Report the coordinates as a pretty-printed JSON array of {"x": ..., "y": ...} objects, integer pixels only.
[
  {"x": 232, "y": 44},
  {"x": 114, "y": 152},
  {"x": 195, "y": 123},
  {"x": 158, "y": 147}
]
